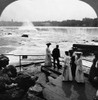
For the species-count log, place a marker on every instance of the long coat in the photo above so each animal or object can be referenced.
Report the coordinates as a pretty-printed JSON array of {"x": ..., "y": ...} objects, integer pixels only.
[
  {"x": 56, "y": 53},
  {"x": 94, "y": 73}
]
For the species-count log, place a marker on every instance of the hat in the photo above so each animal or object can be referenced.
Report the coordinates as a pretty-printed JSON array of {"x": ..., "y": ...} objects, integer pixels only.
[{"x": 48, "y": 44}]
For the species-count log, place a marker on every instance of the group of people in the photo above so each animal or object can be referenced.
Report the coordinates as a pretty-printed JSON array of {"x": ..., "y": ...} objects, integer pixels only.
[
  {"x": 73, "y": 67},
  {"x": 55, "y": 54},
  {"x": 13, "y": 85},
  {"x": 72, "y": 63}
]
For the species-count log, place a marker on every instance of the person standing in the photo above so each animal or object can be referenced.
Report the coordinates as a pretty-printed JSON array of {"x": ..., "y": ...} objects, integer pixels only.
[
  {"x": 79, "y": 75},
  {"x": 72, "y": 63},
  {"x": 67, "y": 74},
  {"x": 94, "y": 69},
  {"x": 93, "y": 75},
  {"x": 48, "y": 61},
  {"x": 56, "y": 55}
]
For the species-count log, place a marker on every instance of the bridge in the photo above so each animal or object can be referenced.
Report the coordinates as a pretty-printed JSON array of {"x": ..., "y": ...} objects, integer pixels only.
[{"x": 5, "y": 3}]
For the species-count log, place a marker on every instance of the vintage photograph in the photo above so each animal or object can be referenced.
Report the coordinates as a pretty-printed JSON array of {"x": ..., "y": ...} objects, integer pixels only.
[{"x": 48, "y": 50}]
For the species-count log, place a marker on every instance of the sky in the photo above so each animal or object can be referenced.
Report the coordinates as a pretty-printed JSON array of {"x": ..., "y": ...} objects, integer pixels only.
[{"x": 45, "y": 10}]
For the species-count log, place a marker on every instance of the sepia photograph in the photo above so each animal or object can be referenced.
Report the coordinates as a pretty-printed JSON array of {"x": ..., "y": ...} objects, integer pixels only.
[{"x": 48, "y": 50}]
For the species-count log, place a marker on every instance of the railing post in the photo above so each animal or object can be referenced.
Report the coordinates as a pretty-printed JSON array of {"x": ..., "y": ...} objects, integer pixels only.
[{"x": 20, "y": 61}]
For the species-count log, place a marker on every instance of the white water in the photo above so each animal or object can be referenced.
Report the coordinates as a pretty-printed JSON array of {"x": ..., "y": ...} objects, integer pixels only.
[
  {"x": 27, "y": 26},
  {"x": 64, "y": 37}
]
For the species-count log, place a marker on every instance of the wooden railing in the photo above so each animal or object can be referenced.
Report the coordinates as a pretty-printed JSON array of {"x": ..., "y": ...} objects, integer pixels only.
[
  {"x": 41, "y": 60},
  {"x": 25, "y": 58}
]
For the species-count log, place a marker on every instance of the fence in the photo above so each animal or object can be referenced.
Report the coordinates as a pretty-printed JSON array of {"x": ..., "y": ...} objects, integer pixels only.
[{"x": 26, "y": 60}]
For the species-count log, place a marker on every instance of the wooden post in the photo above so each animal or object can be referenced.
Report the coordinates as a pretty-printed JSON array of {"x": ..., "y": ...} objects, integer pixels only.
[{"x": 20, "y": 61}]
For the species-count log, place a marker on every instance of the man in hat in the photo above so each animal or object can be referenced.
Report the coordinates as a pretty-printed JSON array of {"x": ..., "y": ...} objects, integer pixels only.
[
  {"x": 56, "y": 55},
  {"x": 48, "y": 61}
]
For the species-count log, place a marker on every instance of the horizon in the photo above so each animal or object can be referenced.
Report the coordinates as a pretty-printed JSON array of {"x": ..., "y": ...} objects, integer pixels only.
[{"x": 46, "y": 20}]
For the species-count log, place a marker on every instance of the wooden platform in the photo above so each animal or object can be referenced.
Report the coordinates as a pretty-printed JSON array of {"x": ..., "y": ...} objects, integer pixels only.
[{"x": 56, "y": 89}]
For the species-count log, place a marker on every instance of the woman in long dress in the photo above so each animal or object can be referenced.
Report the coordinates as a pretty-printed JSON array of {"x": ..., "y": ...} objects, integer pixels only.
[
  {"x": 67, "y": 74},
  {"x": 48, "y": 61},
  {"x": 79, "y": 77}
]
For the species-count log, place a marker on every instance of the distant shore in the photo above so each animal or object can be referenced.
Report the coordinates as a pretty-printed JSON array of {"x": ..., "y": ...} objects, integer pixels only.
[{"x": 86, "y": 22}]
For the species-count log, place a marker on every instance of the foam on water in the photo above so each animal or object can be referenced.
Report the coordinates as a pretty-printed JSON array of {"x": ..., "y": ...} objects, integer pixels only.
[
  {"x": 27, "y": 25},
  {"x": 65, "y": 37}
]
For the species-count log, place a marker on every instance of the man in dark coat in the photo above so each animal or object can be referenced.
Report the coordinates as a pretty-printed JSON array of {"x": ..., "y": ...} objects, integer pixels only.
[
  {"x": 56, "y": 55},
  {"x": 93, "y": 75},
  {"x": 72, "y": 63}
]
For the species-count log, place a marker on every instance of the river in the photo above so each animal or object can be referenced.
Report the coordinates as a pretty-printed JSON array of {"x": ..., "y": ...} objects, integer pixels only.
[{"x": 36, "y": 41}]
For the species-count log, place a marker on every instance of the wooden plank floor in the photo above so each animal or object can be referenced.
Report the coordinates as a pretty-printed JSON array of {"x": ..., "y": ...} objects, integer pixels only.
[
  {"x": 59, "y": 90},
  {"x": 56, "y": 89}
]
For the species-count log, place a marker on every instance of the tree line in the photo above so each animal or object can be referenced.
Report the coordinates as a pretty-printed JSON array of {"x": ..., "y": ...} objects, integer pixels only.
[{"x": 86, "y": 22}]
